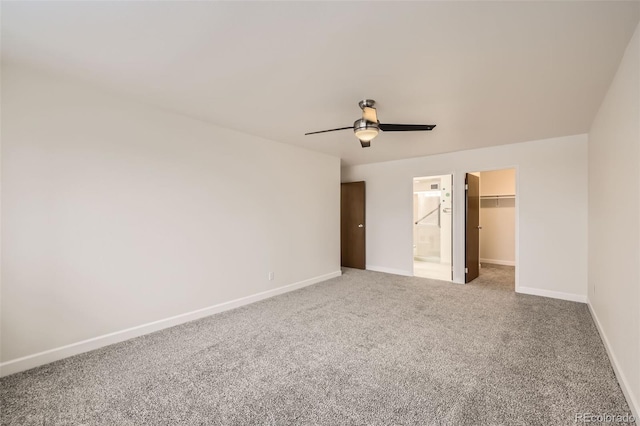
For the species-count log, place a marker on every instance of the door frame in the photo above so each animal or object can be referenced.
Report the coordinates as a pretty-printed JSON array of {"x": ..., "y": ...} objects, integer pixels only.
[
  {"x": 459, "y": 243},
  {"x": 453, "y": 225}
]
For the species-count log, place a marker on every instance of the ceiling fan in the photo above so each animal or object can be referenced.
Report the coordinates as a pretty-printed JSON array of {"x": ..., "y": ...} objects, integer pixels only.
[{"x": 368, "y": 127}]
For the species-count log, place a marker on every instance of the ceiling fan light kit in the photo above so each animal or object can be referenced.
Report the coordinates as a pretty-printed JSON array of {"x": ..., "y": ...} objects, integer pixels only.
[
  {"x": 368, "y": 127},
  {"x": 365, "y": 130}
]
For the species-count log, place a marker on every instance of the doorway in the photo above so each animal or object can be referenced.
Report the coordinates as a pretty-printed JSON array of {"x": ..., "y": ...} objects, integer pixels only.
[
  {"x": 432, "y": 227},
  {"x": 490, "y": 247}
]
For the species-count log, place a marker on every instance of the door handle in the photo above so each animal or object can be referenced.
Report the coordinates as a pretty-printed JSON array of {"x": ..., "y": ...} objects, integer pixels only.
[{"x": 360, "y": 226}]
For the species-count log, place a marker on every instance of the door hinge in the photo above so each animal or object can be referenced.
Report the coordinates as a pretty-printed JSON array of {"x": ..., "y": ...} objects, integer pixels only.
[
  {"x": 466, "y": 270},
  {"x": 466, "y": 186}
]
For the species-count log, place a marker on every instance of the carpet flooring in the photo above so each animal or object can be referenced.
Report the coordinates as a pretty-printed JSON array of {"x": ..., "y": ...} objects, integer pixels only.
[
  {"x": 497, "y": 277},
  {"x": 366, "y": 348}
]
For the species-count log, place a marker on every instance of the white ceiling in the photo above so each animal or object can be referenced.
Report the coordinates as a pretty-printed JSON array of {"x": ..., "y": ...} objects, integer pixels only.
[{"x": 487, "y": 73}]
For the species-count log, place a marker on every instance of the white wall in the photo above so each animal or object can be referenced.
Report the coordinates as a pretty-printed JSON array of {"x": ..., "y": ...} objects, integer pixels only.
[
  {"x": 446, "y": 222},
  {"x": 498, "y": 217},
  {"x": 116, "y": 214},
  {"x": 614, "y": 221},
  {"x": 551, "y": 204}
]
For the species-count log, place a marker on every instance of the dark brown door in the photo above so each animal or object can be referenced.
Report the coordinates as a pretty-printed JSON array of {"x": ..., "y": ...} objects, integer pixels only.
[
  {"x": 352, "y": 225},
  {"x": 472, "y": 234}
]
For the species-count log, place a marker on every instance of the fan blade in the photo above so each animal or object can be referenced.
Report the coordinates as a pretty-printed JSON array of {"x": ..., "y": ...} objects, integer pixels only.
[
  {"x": 369, "y": 114},
  {"x": 405, "y": 127},
  {"x": 330, "y": 130}
]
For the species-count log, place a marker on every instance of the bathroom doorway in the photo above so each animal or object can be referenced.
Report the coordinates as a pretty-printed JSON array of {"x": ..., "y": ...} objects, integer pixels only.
[{"x": 432, "y": 227}]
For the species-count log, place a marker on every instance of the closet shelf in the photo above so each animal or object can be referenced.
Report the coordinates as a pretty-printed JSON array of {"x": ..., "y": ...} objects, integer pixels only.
[{"x": 496, "y": 197}]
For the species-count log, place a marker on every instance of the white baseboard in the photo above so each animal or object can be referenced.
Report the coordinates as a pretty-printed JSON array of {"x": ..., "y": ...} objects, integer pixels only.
[
  {"x": 552, "y": 294},
  {"x": 388, "y": 270},
  {"x": 499, "y": 262},
  {"x": 45, "y": 357},
  {"x": 634, "y": 403}
]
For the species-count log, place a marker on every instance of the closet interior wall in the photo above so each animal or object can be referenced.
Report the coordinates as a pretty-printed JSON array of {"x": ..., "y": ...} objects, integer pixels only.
[{"x": 497, "y": 217}]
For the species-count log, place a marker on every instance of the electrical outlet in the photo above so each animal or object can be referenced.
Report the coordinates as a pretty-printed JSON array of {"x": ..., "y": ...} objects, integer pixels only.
[{"x": 271, "y": 275}]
